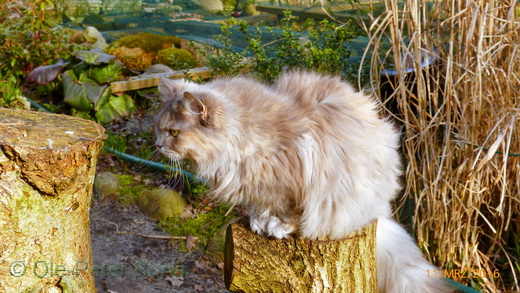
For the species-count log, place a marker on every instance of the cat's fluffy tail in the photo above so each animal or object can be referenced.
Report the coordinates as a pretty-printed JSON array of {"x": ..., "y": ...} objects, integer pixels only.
[{"x": 401, "y": 265}]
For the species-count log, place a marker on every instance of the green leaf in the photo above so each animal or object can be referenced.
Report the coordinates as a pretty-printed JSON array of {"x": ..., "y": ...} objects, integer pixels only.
[
  {"x": 111, "y": 107},
  {"x": 106, "y": 74},
  {"x": 81, "y": 114},
  {"x": 94, "y": 57},
  {"x": 81, "y": 93},
  {"x": 104, "y": 99}
]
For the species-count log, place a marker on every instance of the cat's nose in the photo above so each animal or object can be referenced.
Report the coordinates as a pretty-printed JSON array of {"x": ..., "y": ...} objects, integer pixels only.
[{"x": 158, "y": 146}]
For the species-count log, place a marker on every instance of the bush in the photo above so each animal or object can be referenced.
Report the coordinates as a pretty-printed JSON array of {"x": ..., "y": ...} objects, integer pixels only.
[
  {"x": 321, "y": 47},
  {"x": 11, "y": 94},
  {"x": 28, "y": 37}
]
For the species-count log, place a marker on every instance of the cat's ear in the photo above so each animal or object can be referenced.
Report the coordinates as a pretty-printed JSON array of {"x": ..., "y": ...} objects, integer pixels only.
[
  {"x": 196, "y": 106},
  {"x": 170, "y": 88}
]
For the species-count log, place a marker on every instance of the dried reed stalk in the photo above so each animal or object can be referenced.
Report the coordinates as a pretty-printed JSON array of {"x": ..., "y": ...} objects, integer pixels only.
[{"x": 460, "y": 128}]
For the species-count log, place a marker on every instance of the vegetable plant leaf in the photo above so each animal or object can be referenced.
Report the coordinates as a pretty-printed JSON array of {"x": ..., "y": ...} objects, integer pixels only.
[
  {"x": 111, "y": 107},
  {"x": 81, "y": 93},
  {"x": 47, "y": 73},
  {"x": 95, "y": 56},
  {"x": 107, "y": 73},
  {"x": 81, "y": 114}
]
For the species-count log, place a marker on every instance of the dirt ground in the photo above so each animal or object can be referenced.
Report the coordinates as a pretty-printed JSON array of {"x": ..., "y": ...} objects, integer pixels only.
[
  {"x": 128, "y": 256},
  {"x": 128, "y": 263}
]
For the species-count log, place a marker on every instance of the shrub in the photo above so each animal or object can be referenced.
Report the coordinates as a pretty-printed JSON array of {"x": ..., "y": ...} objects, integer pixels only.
[
  {"x": 29, "y": 38},
  {"x": 321, "y": 47},
  {"x": 11, "y": 94}
]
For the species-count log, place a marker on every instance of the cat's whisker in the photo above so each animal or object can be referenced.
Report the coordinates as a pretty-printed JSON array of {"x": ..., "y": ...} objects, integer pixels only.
[
  {"x": 180, "y": 175},
  {"x": 175, "y": 174},
  {"x": 143, "y": 165},
  {"x": 170, "y": 173},
  {"x": 155, "y": 154}
]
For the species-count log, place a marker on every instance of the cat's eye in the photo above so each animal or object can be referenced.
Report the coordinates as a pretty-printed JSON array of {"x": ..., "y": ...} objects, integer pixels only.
[{"x": 174, "y": 132}]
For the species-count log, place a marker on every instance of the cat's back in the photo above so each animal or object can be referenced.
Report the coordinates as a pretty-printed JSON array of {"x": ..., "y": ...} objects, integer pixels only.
[
  {"x": 327, "y": 97},
  {"x": 307, "y": 87},
  {"x": 243, "y": 89},
  {"x": 253, "y": 97}
]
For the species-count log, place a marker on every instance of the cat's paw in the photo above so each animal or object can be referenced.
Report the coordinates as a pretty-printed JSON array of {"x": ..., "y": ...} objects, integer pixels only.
[
  {"x": 258, "y": 225},
  {"x": 278, "y": 228}
]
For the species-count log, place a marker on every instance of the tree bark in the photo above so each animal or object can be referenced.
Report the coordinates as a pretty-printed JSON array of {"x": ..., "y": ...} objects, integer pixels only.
[
  {"x": 254, "y": 263},
  {"x": 47, "y": 166}
]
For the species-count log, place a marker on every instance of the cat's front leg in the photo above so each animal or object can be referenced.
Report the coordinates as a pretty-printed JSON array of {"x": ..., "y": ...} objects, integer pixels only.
[
  {"x": 258, "y": 221},
  {"x": 266, "y": 224},
  {"x": 279, "y": 228}
]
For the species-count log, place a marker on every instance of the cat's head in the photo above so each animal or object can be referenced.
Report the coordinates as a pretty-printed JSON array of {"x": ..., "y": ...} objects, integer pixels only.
[{"x": 189, "y": 121}]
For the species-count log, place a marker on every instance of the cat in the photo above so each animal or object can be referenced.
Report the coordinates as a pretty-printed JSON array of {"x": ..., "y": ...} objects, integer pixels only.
[{"x": 308, "y": 155}]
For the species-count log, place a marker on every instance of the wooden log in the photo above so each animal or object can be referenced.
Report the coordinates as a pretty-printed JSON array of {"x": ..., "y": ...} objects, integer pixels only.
[
  {"x": 253, "y": 263},
  {"x": 152, "y": 80},
  {"x": 47, "y": 166}
]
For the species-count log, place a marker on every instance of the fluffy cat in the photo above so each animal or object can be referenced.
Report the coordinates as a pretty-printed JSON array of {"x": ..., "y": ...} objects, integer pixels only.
[{"x": 307, "y": 155}]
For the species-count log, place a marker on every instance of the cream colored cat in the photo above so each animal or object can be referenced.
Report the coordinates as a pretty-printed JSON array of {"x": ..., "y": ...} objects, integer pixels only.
[{"x": 308, "y": 155}]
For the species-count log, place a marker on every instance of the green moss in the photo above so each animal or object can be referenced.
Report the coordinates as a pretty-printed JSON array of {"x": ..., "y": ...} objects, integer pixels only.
[
  {"x": 106, "y": 185},
  {"x": 129, "y": 189},
  {"x": 175, "y": 58},
  {"x": 204, "y": 225},
  {"x": 160, "y": 203},
  {"x": 116, "y": 186},
  {"x": 149, "y": 42}
]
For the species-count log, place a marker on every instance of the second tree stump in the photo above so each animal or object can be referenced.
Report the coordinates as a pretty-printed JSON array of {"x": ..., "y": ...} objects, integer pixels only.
[{"x": 254, "y": 263}]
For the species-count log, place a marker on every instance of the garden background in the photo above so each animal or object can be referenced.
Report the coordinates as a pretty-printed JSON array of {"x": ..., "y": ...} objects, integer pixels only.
[{"x": 447, "y": 72}]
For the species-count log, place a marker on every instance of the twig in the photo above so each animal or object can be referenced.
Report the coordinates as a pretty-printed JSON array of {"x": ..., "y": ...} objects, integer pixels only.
[{"x": 163, "y": 237}]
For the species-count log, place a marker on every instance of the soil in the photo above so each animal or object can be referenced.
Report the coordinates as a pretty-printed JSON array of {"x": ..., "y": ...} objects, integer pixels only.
[{"x": 129, "y": 255}]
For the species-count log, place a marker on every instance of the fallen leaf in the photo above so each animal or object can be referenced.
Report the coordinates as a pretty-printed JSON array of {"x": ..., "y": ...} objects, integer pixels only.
[
  {"x": 199, "y": 288},
  {"x": 186, "y": 214},
  {"x": 202, "y": 264},
  {"x": 149, "y": 279},
  {"x": 190, "y": 242},
  {"x": 175, "y": 281}
]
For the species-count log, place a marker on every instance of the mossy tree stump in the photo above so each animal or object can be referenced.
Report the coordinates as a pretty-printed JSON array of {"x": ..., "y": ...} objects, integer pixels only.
[
  {"x": 47, "y": 166},
  {"x": 254, "y": 263}
]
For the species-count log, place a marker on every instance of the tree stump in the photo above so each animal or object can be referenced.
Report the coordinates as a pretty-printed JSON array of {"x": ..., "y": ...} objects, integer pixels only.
[
  {"x": 47, "y": 166},
  {"x": 254, "y": 263}
]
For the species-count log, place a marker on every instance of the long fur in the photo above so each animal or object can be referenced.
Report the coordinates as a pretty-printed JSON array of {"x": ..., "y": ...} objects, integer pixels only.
[{"x": 307, "y": 155}]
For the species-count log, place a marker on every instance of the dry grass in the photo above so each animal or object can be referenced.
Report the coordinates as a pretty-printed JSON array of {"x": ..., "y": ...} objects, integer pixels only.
[{"x": 460, "y": 129}]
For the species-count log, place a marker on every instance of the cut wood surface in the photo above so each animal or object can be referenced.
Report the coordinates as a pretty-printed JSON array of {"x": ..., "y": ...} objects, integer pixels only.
[
  {"x": 254, "y": 263},
  {"x": 47, "y": 166}
]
